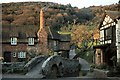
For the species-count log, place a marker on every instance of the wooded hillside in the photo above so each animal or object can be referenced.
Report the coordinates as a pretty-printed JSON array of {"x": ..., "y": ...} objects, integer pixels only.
[
  {"x": 81, "y": 23},
  {"x": 56, "y": 15}
]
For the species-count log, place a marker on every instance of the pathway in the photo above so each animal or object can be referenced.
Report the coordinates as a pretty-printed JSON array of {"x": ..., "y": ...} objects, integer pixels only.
[{"x": 35, "y": 72}]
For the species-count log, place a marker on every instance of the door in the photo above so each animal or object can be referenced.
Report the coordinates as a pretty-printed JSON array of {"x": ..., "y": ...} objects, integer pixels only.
[{"x": 7, "y": 56}]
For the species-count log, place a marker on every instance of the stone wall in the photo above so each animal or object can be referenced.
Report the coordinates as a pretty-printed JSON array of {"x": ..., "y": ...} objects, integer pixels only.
[
  {"x": 42, "y": 36},
  {"x": 43, "y": 42}
]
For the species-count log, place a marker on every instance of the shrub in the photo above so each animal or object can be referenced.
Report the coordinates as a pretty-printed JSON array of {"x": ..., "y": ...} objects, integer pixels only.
[
  {"x": 118, "y": 67},
  {"x": 102, "y": 66},
  {"x": 92, "y": 65}
]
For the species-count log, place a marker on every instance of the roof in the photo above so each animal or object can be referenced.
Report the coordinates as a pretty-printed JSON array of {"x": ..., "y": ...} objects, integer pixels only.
[
  {"x": 30, "y": 34},
  {"x": 23, "y": 32},
  {"x": 22, "y": 35},
  {"x": 113, "y": 15},
  {"x": 5, "y": 36},
  {"x": 65, "y": 37},
  {"x": 19, "y": 31},
  {"x": 53, "y": 35},
  {"x": 61, "y": 37},
  {"x": 101, "y": 46}
]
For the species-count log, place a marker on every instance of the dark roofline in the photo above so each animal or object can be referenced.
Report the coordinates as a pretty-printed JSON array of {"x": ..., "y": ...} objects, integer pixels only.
[
  {"x": 65, "y": 37},
  {"x": 101, "y": 46},
  {"x": 53, "y": 35},
  {"x": 116, "y": 13}
]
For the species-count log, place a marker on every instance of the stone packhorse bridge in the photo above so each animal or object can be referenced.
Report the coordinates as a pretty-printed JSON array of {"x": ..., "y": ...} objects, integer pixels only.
[{"x": 55, "y": 66}]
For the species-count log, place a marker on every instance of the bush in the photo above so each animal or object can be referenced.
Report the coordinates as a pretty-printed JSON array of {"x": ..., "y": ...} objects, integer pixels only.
[
  {"x": 102, "y": 66},
  {"x": 118, "y": 67},
  {"x": 92, "y": 66},
  {"x": 17, "y": 67}
]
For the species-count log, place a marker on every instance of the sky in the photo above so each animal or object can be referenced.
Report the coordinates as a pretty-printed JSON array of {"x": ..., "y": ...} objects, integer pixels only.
[{"x": 74, "y": 3}]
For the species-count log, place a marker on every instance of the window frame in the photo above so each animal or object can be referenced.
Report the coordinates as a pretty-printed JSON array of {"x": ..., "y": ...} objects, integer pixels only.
[
  {"x": 14, "y": 54},
  {"x": 102, "y": 36},
  {"x": 22, "y": 55},
  {"x": 13, "y": 40},
  {"x": 31, "y": 41},
  {"x": 108, "y": 34},
  {"x": 55, "y": 45}
]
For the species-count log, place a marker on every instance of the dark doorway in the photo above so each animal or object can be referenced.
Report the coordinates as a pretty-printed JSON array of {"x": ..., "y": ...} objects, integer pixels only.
[
  {"x": 7, "y": 56},
  {"x": 65, "y": 54},
  {"x": 109, "y": 55}
]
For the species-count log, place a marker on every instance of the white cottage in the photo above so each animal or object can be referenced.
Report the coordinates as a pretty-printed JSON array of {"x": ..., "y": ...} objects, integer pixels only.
[{"x": 109, "y": 42}]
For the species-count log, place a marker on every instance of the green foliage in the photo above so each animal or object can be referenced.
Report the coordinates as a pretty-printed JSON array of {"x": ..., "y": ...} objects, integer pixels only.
[
  {"x": 82, "y": 36},
  {"x": 102, "y": 66},
  {"x": 66, "y": 28},
  {"x": 88, "y": 56},
  {"x": 92, "y": 65},
  {"x": 85, "y": 14},
  {"x": 118, "y": 67}
]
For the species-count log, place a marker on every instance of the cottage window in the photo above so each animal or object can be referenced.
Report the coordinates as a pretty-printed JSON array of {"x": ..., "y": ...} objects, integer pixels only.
[
  {"x": 108, "y": 33},
  {"x": 22, "y": 55},
  {"x": 14, "y": 54},
  {"x": 102, "y": 35},
  {"x": 55, "y": 45},
  {"x": 30, "y": 41},
  {"x": 14, "y": 41}
]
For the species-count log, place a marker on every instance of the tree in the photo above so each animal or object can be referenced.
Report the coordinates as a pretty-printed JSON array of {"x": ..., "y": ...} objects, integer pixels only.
[{"x": 81, "y": 36}]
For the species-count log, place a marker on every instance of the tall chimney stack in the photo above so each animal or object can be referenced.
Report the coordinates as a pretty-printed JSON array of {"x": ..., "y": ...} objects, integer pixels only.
[
  {"x": 42, "y": 36},
  {"x": 41, "y": 19}
]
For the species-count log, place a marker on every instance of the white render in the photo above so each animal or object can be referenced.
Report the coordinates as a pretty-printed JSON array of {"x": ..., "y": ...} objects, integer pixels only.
[
  {"x": 118, "y": 40},
  {"x": 107, "y": 20},
  {"x": 72, "y": 54},
  {"x": 101, "y": 37}
]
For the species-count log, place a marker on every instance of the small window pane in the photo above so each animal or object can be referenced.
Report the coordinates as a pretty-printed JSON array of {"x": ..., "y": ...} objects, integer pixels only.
[
  {"x": 108, "y": 33},
  {"x": 14, "y": 54},
  {"x": 22, "y": 55},
  {"x": 30, "y": 41},
  {"x": 13, "y": 41}
]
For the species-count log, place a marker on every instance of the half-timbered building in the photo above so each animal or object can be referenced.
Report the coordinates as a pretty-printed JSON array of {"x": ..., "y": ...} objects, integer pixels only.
[{"x": 108, "y": 45}]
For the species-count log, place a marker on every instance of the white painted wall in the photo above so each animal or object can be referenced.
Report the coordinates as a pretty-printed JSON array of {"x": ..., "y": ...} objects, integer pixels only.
[
  {"x": 118, "y": 40},
  {"x": 72, "y": 53},
  {"x": 102, "y": 36}
]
